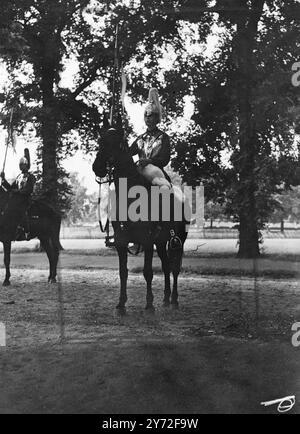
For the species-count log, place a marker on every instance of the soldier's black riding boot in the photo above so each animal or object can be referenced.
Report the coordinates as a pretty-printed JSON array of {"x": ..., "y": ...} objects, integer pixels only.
[
  {"x": 20, "y": 234},
  {"x": 27, "y": 227},
  {"x": 23, "y": 230}
]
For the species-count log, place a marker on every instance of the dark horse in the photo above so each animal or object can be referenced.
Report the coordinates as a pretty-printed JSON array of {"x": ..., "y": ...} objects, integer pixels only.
[
  {"x": 114, "y": 153},
  {"x": 42, "y": 221}
]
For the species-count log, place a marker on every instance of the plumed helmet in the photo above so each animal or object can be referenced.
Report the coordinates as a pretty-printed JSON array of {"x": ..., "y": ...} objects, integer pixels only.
[{"x": 153, "y": 105}]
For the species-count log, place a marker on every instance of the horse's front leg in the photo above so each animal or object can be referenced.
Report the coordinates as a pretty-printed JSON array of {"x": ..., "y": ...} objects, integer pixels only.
[
  {"x": 54, "y": 246},
  {"x": 176, "y": 267},
  {"x": 174, "y": 301},
  {"x": 46, "y": 244},
  {"x": 175, "y": 261},
  {"x": 123, "y": 258},
  {"x": 7, "y": 253},
  {"x": 163, "y": 255},
  {"x": 148, "y": 275}
]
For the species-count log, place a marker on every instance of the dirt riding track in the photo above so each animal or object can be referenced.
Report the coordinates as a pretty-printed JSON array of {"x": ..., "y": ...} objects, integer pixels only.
[{"x": 226, "y": 349}]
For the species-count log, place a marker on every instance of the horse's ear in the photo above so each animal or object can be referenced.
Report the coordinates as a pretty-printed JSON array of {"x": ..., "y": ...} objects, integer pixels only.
[{"x": 106, "y": 124}]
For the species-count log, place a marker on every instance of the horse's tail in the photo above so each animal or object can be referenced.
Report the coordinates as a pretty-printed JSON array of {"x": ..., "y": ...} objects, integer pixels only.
[
  {"x": 44, "y": 209},
  {"x": 56, "y": 229},
  {"x": 57, "y": 235}
]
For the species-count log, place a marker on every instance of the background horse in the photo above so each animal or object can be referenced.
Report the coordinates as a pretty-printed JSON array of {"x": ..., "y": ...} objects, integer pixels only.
[
  {"x": 114, "y": 152},
  {"x": 42, "y": 221}
]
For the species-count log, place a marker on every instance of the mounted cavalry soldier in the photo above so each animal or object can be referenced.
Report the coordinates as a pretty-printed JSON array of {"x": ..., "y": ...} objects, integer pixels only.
[
  {"x": 167, "y": 233},
  {"x": 24, "y": 184},
  {"x": 21, "y": 191},
  {"x": 152, "y": 151},
  {"x": 23, "y": 219}
]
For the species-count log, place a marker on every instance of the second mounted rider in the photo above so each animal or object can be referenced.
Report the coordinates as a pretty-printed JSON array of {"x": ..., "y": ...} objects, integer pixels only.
[
  {"x": 24, "y": 183},
  {"x": 21, "y": 191}
]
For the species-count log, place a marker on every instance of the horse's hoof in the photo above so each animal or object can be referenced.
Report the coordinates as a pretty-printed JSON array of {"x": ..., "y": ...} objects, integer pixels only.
[
  {"x": 121, "y": 310},
  {"x": 166, "y": 303},
  {"x": 52, "y": 281},
  {"x": 6, "y": 283},
  {"x": 175, "y": 305}
]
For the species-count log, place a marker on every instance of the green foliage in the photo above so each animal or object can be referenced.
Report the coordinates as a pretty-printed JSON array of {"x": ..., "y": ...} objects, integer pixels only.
[
  {"x": 244, "y": 111},
  {"x": 214, "y": 211},
  {"x": 82, "y": 205},
  {"x": 287, "y": 206}
]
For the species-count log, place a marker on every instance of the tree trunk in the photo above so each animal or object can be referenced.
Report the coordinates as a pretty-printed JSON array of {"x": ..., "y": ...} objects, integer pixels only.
[
  {"x": 249, "y": 236},
  {"x": 211, "y": 223},
  {"x": 50, "y": 139},
  {"x": 282, "y": 226}
]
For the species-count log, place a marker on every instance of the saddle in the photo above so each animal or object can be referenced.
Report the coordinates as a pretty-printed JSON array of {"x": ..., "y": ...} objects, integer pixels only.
[{"x": 23, "y": 226}]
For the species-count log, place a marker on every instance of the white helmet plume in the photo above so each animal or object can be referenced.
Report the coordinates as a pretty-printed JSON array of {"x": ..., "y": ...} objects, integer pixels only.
[{"x": 153, "y": 105}]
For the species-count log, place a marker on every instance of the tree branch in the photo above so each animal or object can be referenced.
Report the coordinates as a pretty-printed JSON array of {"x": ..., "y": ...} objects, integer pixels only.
[
  {"x": 87, "y": 82},
  {"x": 256, "y": 13}
]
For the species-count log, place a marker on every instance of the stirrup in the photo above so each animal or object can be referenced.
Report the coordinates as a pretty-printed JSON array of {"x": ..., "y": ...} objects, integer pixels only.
[
  {"x": 110, "y": 241},
  {"x": 135, "y": 249},
  {"x": 175, "y": 242}
]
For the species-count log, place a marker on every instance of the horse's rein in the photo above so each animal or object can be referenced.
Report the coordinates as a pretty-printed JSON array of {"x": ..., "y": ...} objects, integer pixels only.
[{"x": 111, "y": 179}]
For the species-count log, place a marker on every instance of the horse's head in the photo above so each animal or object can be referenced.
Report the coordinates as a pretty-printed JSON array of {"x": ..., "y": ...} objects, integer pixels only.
[{"x": 113, "y": 149}]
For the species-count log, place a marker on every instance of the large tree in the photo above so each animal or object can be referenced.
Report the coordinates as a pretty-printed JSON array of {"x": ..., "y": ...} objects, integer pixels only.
[
  {"x": 43, "y": 36},
  {"x": 242, "y": 143},
  {"x": 43, "y": 27}
]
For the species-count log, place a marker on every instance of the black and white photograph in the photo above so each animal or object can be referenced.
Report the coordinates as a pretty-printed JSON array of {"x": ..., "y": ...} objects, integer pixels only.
[{"x": 149, "y": 210}]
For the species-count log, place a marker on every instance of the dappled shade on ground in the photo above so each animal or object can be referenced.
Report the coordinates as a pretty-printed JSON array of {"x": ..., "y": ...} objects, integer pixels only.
[{"x": 227, "y": 348}]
